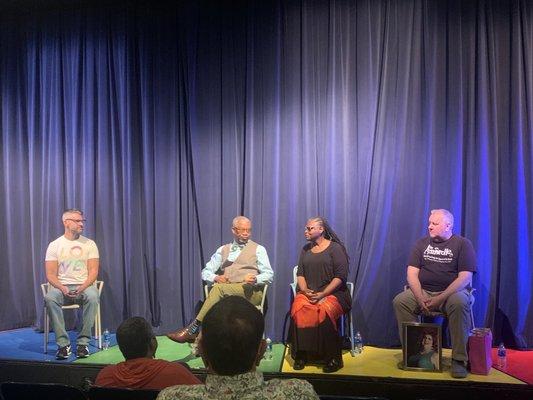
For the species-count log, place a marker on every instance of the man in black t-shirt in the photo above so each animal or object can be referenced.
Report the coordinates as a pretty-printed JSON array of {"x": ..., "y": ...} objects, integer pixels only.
[{"x": 439, "y": 273}]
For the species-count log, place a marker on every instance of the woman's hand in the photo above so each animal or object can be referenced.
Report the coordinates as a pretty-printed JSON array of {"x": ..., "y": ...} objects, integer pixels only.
[
  {"x": 315, "y": 297},
  {"x": 308, "y": 293}
]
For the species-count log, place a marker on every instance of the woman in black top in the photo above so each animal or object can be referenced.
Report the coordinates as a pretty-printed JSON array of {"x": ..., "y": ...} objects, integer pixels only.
[{"x": 322, "y": 298}]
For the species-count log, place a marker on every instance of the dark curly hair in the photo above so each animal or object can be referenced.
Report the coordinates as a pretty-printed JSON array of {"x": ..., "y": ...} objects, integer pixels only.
[{"x": 134, "y": 337}]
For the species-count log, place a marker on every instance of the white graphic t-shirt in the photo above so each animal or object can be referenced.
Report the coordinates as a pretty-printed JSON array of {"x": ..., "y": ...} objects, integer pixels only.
[{"x": 72, "y": 256}]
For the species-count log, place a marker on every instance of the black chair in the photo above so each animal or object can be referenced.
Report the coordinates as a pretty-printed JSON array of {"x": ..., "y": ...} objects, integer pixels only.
[
  {"x": 106, "y": 393},
  {"x": 40, "y": 391}
]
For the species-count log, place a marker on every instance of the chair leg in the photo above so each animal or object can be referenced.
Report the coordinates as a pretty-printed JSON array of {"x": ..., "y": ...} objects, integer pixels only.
[
  {"x": 352, "y": 336},
  {"x": 472, "y": 300},
  {"x": 46, "y": 330},
  {"x": 98, "y": 327},
  {"x": 260, "y": 308}
]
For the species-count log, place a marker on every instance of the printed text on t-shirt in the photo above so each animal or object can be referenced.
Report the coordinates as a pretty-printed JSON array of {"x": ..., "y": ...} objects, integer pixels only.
[{"x": 434, "y": 254}]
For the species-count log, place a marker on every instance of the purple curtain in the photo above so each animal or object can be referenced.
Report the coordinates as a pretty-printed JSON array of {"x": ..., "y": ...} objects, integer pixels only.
[{"x": 162, "y": 122}]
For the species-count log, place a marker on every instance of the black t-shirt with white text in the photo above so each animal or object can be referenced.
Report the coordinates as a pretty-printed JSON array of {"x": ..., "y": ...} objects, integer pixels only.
[{"x": 441, "y": 262}]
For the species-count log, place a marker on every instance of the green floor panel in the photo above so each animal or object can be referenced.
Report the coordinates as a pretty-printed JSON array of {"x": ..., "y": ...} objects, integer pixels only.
[{"x": 171, "y": 351}]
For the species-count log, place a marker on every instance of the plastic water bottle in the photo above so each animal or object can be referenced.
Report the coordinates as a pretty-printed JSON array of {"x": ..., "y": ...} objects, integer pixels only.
[
  {"x": 268, "y": 351},
  {"x": 358, "y": 343},
  {"x": 502, "y": 356},
  {"x": 107, "y": 340}
]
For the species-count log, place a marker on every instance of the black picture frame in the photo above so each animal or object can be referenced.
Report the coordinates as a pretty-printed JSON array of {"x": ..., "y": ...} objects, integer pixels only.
[{"x": 422, "y": 347}]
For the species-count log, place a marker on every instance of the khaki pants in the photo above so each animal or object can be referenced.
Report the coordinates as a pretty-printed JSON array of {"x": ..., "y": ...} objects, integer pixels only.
[
  {"x": 252, "y": 293},
  {"x": 456, "y": 308}
]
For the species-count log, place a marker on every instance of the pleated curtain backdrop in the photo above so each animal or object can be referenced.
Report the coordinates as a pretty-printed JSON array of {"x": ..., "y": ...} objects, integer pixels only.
[{"x": 163, "y": 121}]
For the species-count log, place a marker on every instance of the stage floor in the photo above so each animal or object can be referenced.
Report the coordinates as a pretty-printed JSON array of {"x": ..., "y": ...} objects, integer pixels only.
[
  {"x": 27, "y": 345},
  {"x": 382, "y": 363}
]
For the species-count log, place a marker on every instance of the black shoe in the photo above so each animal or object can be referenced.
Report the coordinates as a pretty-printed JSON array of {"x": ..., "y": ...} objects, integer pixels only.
[
  {"x": 63, "y": 352},
  {"x": 82, "y": 351},
  {"x": 333, "y": 365},
  {"x": 298, "y": 364}
]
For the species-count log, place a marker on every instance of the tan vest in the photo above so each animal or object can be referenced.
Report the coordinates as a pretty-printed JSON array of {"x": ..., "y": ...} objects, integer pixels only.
[{"x": 244, "y": 264}]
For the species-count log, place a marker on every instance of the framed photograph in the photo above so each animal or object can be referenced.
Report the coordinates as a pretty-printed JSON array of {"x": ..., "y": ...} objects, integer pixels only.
[{"x": 422, "y": 348}]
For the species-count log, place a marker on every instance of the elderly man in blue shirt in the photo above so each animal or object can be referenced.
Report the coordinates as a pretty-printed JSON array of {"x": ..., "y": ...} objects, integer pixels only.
[{"x": 240, "y": 268}]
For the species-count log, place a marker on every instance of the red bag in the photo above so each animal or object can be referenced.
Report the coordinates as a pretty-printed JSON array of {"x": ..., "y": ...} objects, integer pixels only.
[{"x": 479, "y": 351}]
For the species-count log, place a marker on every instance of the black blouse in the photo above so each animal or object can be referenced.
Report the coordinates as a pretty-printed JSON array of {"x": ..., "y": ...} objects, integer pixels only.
[{"x": 319, "y": 269}]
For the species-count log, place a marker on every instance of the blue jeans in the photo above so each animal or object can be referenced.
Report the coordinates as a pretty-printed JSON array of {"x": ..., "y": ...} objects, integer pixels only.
[{"x": 89, "y": 299}]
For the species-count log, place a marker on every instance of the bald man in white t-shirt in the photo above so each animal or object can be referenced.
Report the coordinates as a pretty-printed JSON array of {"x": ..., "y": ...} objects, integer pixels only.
[{"x": 72, "y": 263}]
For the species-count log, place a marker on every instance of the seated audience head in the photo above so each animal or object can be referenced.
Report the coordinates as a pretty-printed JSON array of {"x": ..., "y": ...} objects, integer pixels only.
[
  {"x": 231, "y": 339},
  {"x": 136, "y": 339}
]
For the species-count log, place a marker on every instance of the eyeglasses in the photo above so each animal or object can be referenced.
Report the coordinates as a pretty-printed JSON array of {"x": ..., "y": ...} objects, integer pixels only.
[
  {"x": 76, "y": 220},
  {"x": 247, "y": 230},
  {"x": 310, "y": 228}
]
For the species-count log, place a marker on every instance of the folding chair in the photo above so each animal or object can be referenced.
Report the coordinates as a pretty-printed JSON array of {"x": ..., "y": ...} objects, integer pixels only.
[
  {"x": 349, "y": 314},
  {"x": 260, "y": 307},
  {"x": 97, "y": 321}
]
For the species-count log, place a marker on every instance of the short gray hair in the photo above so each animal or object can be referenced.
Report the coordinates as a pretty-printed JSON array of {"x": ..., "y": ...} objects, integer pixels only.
[
  {"x": 70, "y": 211},
  {"x": 448, "y": 216},
  {"x": 239, "y": 218}
]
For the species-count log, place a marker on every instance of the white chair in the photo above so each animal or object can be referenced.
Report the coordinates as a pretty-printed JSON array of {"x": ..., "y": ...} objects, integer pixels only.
[
  {"x": 350, "y": 315},
  {"x": 97, "y": 321},
  {"x": 260, "y": 307}
]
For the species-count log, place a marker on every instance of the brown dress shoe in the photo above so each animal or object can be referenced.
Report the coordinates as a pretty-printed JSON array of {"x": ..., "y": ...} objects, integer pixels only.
[{"x": 182, "y": 336}]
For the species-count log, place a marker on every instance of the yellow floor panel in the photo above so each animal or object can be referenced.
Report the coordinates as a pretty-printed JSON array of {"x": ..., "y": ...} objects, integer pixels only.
[{"x": 383, "y": 363}]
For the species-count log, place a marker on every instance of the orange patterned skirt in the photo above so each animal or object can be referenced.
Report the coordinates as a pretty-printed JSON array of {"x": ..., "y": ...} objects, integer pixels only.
[{"x": 308, "y": 315}]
